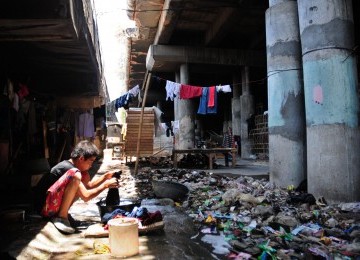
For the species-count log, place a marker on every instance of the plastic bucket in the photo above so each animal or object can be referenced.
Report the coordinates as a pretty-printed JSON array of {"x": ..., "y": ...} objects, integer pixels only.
[
  {"x": 108, "y": 153},
  {"x": 123, "y": 237}
]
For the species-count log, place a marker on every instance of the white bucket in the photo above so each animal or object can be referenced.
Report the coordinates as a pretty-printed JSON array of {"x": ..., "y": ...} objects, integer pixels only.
[
  {"x": 108, "y": 153},
  {"x": 123, "y": 237}
]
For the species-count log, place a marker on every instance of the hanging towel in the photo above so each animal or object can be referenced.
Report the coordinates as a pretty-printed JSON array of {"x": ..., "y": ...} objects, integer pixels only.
[
  {"x": 86, "y": 125},
  {"x": 187, "y": 91},
  {"x": 204, "y": 100},
  {"x": 211, "y": 97},
  {"x": 202, "y": 110},
  {"x": 213, "y": 110}
]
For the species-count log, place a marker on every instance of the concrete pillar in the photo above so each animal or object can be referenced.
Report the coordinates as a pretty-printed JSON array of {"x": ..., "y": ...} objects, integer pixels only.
[
  {"x": 331, "y": 99},
  {"x": 185, "y": 114},
  {"x": 235, "y": 105},
  {"x": 176, "y": 99},
  {"x": 286, "y": 119},
  {"x": 246, "y": 110}
]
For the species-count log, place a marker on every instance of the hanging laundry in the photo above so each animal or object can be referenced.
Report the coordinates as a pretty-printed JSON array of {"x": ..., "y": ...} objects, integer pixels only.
[
  {"x": 204, "y": 100},
  {"x": 23, "y": 91},
  {"x": 158, "y": 119},
  {"x": 211, "y": 97},
  {"x": 163, "y": 126},
  {"x": 123, "y": 101},
  {"x": 15, "y": 103},
  {"x": 158, "y": 113},
  {"x": 187, "y": 91},
  {"x": 177, "y": 90},
  {"x": 171, "y": 88},
  {"x": 9, "y": 90},
  {"x": 135, "y": 90},
  {"x": 86, "y": 125},
  {"x": 224, "y": 88},
  {"x": 169, "y": 129},
  {"x": 124, "y": 131},
  {"x": 175, "y": 125},
  {"x": 121, "y": 115},
  {"x": 213, "y": 110}
]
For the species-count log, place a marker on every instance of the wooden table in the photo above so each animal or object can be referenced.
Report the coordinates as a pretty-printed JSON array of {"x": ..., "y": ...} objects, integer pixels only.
[{"x": 211, "y": 152}]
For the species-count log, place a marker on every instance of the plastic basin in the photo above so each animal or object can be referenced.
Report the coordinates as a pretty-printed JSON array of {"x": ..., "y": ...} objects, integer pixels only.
[
  {"x": 125, "y": 204},
  {"x": 168, "y": 189}
]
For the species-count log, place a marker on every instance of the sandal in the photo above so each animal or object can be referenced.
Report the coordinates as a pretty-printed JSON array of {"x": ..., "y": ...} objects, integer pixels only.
[
  {"x": 74, "y": 222},
  {"x": 63, "y": 225}
]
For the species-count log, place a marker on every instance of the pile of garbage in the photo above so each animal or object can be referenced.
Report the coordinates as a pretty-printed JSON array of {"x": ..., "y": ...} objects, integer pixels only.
[{"x": 261, "y": 221}]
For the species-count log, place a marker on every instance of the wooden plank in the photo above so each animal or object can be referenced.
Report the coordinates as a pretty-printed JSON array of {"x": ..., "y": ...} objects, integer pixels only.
[
  {"x": 79, "y": 102},
  {"x": 150, "y": 126},
  {"x": 36, "y": 30},
  {"x": 147, "y": 133},
  {"x": 135, "y": 122},
  {"x": 143, "y": 141}
]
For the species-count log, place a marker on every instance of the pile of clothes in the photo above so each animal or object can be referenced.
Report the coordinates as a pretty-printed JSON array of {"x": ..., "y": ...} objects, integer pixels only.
[{"x": 148, "y": 221}]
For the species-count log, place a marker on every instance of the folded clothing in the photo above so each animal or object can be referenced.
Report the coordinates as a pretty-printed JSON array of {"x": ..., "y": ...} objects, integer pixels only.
[
  {"x": 146, "y": 217},
  {"x": 113, "y": 214},
  {"x": 152, "y": 218},
  {"x": 141, "y": 213}
]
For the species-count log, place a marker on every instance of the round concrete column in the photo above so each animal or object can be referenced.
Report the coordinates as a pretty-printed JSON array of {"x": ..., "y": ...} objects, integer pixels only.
[
  {"x": 186, "y": 115},
  {"x": 246, "y": 110},
  {"x": 235, "y": 105},
  {"x": 286, "y": 119},
  {"x": 331, "y": 99},
  {"x": 176, "y": 112}
]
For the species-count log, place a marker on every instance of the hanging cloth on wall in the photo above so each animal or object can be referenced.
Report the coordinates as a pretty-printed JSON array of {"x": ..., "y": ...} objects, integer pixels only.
[{"x": 86, "y": 125}]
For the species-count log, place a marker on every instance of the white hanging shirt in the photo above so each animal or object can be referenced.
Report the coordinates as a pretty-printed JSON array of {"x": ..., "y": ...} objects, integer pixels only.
[{"x": 172, "y": 89}]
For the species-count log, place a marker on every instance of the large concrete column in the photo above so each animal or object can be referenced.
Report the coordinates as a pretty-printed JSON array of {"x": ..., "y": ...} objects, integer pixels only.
[
  {"x": 176, "y": 99},
  {"x": 331, "y": 99},
  {"x": 235, "y": 105},
  {"x": 286, "y": 119},
  {"x": 246, "y": 110},
  {"x": 185, "y": 114}
]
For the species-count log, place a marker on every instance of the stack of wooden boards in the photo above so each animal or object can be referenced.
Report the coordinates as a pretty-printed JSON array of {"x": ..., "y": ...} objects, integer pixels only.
[{"x": 133, "y": 121}]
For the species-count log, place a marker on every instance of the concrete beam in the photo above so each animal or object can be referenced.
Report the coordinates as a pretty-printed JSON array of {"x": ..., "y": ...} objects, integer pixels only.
[
  {"x": 168, "y": 58},
  {"x": 77, "y": 102},
  {"x": 219, "y": 28},
  {"x": 168, "y": 20}
]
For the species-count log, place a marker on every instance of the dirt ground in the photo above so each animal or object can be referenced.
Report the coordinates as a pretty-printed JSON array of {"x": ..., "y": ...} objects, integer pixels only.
[{"x": 35, "y": 238}]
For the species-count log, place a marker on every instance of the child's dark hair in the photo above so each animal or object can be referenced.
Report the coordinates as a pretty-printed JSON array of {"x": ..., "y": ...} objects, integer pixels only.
[{"x": 85, "y": 148}]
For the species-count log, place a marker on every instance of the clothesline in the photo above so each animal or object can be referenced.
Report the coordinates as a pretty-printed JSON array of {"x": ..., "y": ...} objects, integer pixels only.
[
  {"x": 233, "y": 84},
  {"x": 184, "y": 91},
  {"x": 125, "y": 100}
]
